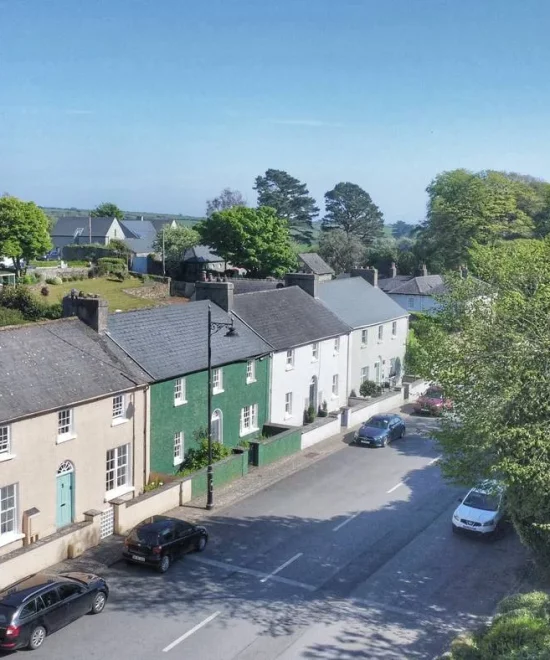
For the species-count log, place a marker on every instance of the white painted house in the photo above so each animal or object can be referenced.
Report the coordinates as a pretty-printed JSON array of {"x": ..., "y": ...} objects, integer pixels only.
[
  {"x": 310, "y": 348},
  {"x": 379, "y": 328},
  {"x": 415, "y": 293}
]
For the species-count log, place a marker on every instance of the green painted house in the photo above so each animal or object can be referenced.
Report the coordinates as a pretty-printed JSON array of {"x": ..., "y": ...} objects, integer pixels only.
[{"x": 170, "y": 343}]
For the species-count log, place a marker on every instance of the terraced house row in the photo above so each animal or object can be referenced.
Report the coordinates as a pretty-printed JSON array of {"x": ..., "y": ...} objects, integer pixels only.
[{"x": 91, "y": 405}]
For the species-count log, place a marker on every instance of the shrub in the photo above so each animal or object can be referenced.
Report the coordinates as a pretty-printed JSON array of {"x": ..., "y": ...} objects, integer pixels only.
[
  {"x": 26, "y": 279},
  {"x": 65, "y": 279},
  {"x": 369, "y": 388},
  {"x": 153, "y": 484},
  {"x": 92, "y": 272},
  {"x": 197, "y": 457},
  {"x": 535, "y": 601},
  {"x": 508, "y": 634},
  {"x": 54, "y": 280},
  {"x": 353, "y": 393},
  {"x": 323, "y": 409},
  {"x": 45, "y": 291},
  {"x": 112, "y": 266},
  {"x": 53, "y": 311},
  {"x": 309, "y": 415},
  {"x": 10, "y": 316},
  {"x": 21, "y": 298}
]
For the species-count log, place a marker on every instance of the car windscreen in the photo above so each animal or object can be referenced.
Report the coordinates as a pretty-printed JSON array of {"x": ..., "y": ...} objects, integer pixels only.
[
  {"x": 378, "y": 423},
  {"x": 483, "y": 501},
  {"x": 144, "y": 536},
  {"x": 6, "y": 614},
  {"x": 434, "y": 394}
]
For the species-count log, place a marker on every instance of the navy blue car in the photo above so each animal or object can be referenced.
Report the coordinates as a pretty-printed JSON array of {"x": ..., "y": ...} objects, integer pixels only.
[{"x": 379, "y": 430}]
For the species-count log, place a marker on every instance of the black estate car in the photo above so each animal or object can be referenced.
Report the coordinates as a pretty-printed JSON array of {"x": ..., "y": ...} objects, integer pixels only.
[
  {"x": 43, "y": 603},
  {"x": 159, "y": 540}
]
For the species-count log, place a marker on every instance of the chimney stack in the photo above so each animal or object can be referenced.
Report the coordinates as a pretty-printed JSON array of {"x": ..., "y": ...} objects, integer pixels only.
[
  {"x": 368, "y": 274},
  {"x": 393, "y": 270},
  {"x": 309, "y": 282},
  {"x": 92, "y": 311},
  {"x": 220, "y": 293}
]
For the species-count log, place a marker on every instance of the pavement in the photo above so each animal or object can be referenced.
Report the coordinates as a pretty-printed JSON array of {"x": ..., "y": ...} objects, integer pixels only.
[{"x": 346, "y": 552}]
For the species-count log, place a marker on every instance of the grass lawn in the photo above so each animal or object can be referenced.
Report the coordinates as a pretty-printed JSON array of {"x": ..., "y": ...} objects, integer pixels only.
[{"x": 111, "y": 290}]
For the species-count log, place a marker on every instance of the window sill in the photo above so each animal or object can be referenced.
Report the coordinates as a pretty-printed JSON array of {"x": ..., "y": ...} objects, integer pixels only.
[
  {"x": 180, "y": 403},
  {"x": 178, "y": 461},
  {"x": 380, "y": 341},
  {"x": 314, "y": 360},
  {"x": 289, "y": 367},
  {"x": 6, "y": 457},
  {"x": 247, "y": 432},
  {"x": 217, "y": 391},
  {"x": 288, "y": 416},
  {"x": 119, "y": 420},
  {"x": 65, "y": 438},
  {"x": 118, "y": 492},
  {"x": 10, "y": 537},
  {"x": 364, "y": 345},
  {"x": 394, "y": 336},
  {"x": 249, "y": 381}
]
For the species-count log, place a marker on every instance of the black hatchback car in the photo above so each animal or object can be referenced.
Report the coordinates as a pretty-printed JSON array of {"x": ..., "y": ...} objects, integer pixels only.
[
  {"x": 159, "y": 540},
  {"x": 43, "y": 603}
]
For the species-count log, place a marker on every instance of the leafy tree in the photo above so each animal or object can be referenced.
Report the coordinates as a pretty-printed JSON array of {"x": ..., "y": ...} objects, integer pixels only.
[
  {"x": 176, "y": 241},
  {"x": 491, "y": 355},
  {"x": 226, "y": 199},
  {"x": 382, "y": 253},
  {"x": 255, "y": 239},
  {"x": 24, "y": 231},
  {"x": 402, "y": 229},
  {"x": 107, "y": 210},
  {"x": 341, "y": 251},
  {"x": 119, "y": 248},
  {"x": 351, "y": 209},
  {"x": 291, "y": 200},
  {"x": 466, "y": 207}
]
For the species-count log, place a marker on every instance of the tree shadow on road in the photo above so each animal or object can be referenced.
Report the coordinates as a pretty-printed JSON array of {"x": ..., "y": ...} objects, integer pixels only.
[{"x": 391, "y": 583}]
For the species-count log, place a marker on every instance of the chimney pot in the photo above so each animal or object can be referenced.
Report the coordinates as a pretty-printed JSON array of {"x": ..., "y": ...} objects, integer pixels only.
[
  {"x": 393, "y": 270},
  {"x": 424, "y": 270}
]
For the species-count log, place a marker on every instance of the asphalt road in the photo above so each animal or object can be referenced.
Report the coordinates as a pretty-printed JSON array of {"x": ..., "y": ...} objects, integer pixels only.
[{"x": 350, "y": 558}]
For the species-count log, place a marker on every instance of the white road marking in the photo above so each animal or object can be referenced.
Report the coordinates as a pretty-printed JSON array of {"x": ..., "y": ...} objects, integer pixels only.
[
  {"x": 248, "y": 571},
  {"x": 346, "y": 521},
  {"x": 401, "y": 483},
  {"x": 191, "y": 632},
  {"x": 281, "y": 567},
  {"x": 434, "y": 460}
]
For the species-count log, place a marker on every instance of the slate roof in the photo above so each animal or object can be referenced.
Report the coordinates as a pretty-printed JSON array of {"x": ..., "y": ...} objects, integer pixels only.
[
  {"x": 140, "y": 245},
  {"x": 171, "y": 341},
  {"x": 409, "y": 285},
  {"x": 59, "y": 363},
  {"x": 200, "y": 254},
  {"x": 242, "y": 285},
  {"x": 159, "y": 224},
  {"x": 358, "y": 303},
  {"x": 288, "y": 317},
  {"x": 316, "y": 264},
  {"x": 138, "y": 229},
  {"x": 68, "y": 225}
]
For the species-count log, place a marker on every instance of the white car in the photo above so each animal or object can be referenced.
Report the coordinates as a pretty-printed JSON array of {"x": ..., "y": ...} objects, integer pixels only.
[{"x": 481, "y": 511}]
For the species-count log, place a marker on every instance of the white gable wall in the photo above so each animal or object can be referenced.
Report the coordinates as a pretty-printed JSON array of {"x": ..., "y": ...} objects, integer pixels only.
[{"x": 298, "y": 379}]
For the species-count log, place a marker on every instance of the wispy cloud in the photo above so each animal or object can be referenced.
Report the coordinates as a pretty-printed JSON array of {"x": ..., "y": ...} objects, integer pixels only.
[{"x": 312, "y": 123}]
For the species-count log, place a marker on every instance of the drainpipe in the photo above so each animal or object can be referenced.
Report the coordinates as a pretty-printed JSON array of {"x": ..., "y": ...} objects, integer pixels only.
[
  {"x": 145, "y": 428},
  {"x": 134, "y": 442}
]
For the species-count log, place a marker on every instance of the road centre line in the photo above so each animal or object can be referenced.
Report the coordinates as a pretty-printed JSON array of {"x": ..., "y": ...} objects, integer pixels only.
[
  {"x": 248, "y": 571},
  {"x": 345, "y": 522},
  {"x": 191, "y": 632},
  {"x": 401, "y": 483},
  {"x": 281, "y": 567}
]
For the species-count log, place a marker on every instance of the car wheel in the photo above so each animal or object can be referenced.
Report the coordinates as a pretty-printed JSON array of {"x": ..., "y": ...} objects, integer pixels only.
[
  {"x": 164, "y": 564},
  {"x": 38, "y": 635},
  {"x": 201, "y": 543},
  {"x": 384, "y": 442},
  {"x": 403, "y": 431},
  {"x": 99, "y": 603}
]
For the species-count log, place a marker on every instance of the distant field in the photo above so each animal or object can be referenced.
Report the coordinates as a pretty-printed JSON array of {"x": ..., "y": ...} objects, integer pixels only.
[{"x": 57, "y": 213}]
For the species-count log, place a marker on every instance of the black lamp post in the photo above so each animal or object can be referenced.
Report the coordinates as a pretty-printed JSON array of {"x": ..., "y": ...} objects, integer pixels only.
[{"x": 213, "y": 327}]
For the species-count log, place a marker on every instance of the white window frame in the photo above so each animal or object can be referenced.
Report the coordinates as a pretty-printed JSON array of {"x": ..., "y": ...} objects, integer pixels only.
[
  {"x": 68, "y": 434},
  {"x": 179, "y": 448},
  {"x": 365, "y": 374},
  {"x": 315, "y": 352},
  {"x": 119, "y": 409},
  {"x": 249, "y": 419},
  {"x": 290, "y": 359},
  {"x": 180, "y": 392},
  {"x": 118, "y": 471},
  {"x": 365, "y": 337},
  {"x": 219, "y": 415},
  {"x": 337, "y": 346},
  {"x": 380, "y": 333},
  {"x": 250, "y": 372},
  {"x": 217, "y": 380},
  {"x": 288, "y": 405},
  {"x": 394, "y": 329},
  {"x": 335, "y": 386},
  {"x": 5, "y": 442},
  {"x": 9, "y": 517}
]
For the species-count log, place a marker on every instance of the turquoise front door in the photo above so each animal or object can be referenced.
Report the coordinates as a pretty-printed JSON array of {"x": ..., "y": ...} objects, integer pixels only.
[{"x": 64, "y": 499}]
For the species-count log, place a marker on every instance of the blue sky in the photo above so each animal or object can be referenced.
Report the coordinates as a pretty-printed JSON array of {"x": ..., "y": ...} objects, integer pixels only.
[{"x": 157, "y": 105}]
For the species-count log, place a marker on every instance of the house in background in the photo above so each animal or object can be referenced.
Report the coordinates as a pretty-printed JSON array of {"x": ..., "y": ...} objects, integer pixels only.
[
  {"x": 83, "y": 231},
  {"x": 198, "y": 260},
  {"x": 311, "y": 262},
  {"x": 170, "y": 344},
  {"x": 72, "y": 428},
  {"x": 379, "y": 328},
  {"x": 139, "y": 236},
  {"x": 415, "y": 293},
  {"x": 310, "y": 345}
]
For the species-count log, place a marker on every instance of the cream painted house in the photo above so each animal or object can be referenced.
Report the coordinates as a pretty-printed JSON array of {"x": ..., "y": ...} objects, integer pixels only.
[{"x": 73, "y": 429}]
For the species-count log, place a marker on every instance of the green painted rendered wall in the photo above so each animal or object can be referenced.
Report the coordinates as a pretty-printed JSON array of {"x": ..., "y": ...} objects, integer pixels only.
[
  {"x": 168, "y": 419},
  {"x": 280, "y": 446},
  {"x": 231, "y": 468}
]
